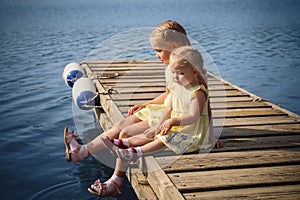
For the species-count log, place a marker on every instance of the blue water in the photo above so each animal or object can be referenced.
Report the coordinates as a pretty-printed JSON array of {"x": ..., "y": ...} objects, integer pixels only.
[{"x": 255, "y": 44}]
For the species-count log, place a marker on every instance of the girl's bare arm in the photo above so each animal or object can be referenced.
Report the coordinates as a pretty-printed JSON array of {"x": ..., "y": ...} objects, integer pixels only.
[
  {"x": 158, "y": 100},
  {"x": 196, "y": 108}
]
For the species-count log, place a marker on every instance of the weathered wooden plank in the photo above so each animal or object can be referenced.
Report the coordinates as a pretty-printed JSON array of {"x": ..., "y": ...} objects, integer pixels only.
[
  {"x": 107, "y": 104},
  {"x": 132, "y": 79},
  {"x": 127, "y": 66},
  {"x": 236, "y": 178},
  {"x": 240, "y": 144},
  {"x": 251, "y": 112},
  {"x": 255, "y": 96},
  {"x": 220, "y": 87},
  {"x": 155, "y": 89},
  {"x": 160, "y": 182},
  {"x": 120, "y": 61},
  {"x": 258, "y": 131},
  {"x": 130, "y": 65},
  {"x": 238, "y": 105},
  {"x": 223, "y": 160},
  {"x": 140, "y": 184},
  {"x": 150, "y": 95},
  {"x": 286, "y": 192},
  {"x": 222, "y": 99},
  {"x": 234, "y": 113},
  {"x": 158, "y": 87},
  {"x": 283, "y": 128},
  {"x": 214, "y": 105},
  {"x": 134, "y": 96},
  {"x": 155, "y": 71},
  {"x": 210, "y": 87},
  {"x": 215, "y": 82},
  {"x": 248, "y": 121},
  {"x": 254, "y": 143},
  {"x": 123, "y": 94},
  {"x": 129, "y": 88}
]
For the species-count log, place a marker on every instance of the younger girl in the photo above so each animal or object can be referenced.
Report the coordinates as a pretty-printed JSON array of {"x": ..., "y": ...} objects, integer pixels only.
[{"x": 184, "y": 123}]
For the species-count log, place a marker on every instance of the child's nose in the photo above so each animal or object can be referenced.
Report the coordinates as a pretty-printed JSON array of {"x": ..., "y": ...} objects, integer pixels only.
[{"x": 157, "y": 55}]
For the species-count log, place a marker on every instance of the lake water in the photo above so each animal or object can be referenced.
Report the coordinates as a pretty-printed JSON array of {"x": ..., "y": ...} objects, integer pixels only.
[{"x": 255, "y": 44}]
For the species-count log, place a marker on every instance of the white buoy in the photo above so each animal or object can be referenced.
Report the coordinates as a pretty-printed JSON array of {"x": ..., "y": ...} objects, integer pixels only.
[
  {"x": 72, "y": 72},
  {"x": 84, "y": 93}
]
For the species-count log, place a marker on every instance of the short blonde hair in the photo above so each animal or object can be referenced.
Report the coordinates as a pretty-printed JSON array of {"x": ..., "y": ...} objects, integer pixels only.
[
  {"x": 170, "y": 31},
  {"x": 190, "y": 56}
]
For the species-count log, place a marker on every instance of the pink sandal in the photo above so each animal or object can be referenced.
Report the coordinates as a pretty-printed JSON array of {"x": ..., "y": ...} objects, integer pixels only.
[
  {"x": 100, "y": 189},
  {"x": 123, "y": 154},
  {"x": 72, "y": 154},
  {"x": 109, "y": 145}
]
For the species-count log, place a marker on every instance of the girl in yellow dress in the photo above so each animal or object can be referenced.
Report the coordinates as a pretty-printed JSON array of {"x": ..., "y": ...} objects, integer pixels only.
[
  {"x": 183, "y": 125},
  {"x": 184, "y": 131}
]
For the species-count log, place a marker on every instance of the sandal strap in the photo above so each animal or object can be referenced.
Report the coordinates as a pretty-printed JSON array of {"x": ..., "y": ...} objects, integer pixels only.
[
  {"x": 100, "y": 188},
  {"x": 75, "y": 153},
  {"x": 129, "y": 156},
  {"x": 116, "y": 186},
  {"x": 71, "y": 135}
]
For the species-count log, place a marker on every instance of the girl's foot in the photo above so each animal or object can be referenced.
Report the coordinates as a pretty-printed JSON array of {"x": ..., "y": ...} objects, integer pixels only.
[
  {"x": 121, "y": 143},
  {"x": 109, "y": 145},
  {"x": 74, "y": 151},
  {"x": 109, "y": 188},
  {"x": 130, "y": 154}
]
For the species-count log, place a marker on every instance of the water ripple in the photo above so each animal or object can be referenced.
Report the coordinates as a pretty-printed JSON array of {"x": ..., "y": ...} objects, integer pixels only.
[{"x": 67, "y": 190}]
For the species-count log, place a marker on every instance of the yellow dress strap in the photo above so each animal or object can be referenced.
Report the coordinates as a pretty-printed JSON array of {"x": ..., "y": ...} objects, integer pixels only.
[{"x": 203, "y": 88}]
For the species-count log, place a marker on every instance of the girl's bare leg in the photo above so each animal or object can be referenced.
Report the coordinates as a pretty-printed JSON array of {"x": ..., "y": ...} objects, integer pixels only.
[
  {"x": 152, "y": 147},
  {"x": 135, "y": 134},
  {"x": 139, "y": 140},
  {"x": 122, "y": 165},
  {"x": 114, "y": 132}
]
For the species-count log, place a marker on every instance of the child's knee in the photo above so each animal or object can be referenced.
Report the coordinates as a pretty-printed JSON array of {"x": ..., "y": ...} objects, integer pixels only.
[
  {"x": 121, "y": 124},
  {"x": 124, "y": 134}
]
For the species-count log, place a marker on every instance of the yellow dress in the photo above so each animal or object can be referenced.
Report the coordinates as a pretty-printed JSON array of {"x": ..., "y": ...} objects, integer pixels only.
[
  {"x": 152, "y": 112},
  {"x": 194, "y": 137},
  {"x": 180, "y": 139}
]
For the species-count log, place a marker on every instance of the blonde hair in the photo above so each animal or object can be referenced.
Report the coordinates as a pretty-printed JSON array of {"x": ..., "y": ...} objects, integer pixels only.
[
  {"x": 171, "y": 31},
  {"x": 187, "y": 55}
]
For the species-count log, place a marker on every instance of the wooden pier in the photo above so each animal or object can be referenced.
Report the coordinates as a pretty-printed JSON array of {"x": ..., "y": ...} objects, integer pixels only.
[{"x": 261, "y": 157}]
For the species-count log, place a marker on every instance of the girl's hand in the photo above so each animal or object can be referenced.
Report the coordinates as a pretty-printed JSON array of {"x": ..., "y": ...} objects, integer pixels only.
[
  {"x": 135, "y": 108},
  {"x": 150, "y": 132},
  {"x": 166, "y": 126}
]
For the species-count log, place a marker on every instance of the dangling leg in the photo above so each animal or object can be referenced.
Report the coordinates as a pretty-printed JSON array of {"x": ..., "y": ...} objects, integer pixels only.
[
  {"x": 112, "y": 187},
  {"x": 133, "y": 153},
  {"x": 121, "y": 143},
  {"x": 97, "y": 145},
  {"x": 133, "y": 137},
  {"x": 76, "y": 152}
]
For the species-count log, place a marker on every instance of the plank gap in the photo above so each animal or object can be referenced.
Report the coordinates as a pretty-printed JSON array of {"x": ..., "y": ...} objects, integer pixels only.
[
  {"x": 245, "y": 186},
  {"x": 261, "y": 165}
]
